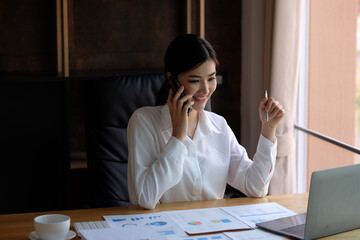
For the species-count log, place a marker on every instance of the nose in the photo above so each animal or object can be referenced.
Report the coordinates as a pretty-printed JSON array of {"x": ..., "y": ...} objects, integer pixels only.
[{"x": 204, "y": 88}]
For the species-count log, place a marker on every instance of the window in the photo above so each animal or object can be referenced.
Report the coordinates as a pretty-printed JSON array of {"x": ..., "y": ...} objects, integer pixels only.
[{"x": 326, "y": 102}]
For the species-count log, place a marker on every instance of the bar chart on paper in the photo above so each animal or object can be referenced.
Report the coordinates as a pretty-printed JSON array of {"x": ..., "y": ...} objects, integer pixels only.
[{"x": 204, "y": 221}]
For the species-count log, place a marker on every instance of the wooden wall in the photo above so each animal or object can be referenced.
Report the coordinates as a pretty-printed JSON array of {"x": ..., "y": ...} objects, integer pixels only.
[
  {"x": 123, "y": 34},
  {"x": 27, "y": 37}
]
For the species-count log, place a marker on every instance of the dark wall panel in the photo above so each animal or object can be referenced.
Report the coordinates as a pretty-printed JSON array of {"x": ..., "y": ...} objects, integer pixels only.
[
  {"x": 34, "y": 158},
  {"x": 27, "y": 36},
  {"x": 128, "y": 34},
  {"x": 223, "y": 31}
]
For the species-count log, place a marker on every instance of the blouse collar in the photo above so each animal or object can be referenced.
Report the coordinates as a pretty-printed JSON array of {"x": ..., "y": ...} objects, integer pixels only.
[{"x": 205, "y": 127}]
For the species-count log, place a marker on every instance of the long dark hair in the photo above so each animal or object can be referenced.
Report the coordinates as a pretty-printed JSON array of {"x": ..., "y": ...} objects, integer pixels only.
[{"x": 183, "y": 54}]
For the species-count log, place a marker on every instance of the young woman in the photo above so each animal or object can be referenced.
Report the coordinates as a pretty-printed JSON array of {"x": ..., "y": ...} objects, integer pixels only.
[{"x": 175, "y": 156}]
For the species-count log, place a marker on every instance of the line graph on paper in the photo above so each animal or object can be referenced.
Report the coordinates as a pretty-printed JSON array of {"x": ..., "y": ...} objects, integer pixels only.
[{"x": 256, "y": 213}]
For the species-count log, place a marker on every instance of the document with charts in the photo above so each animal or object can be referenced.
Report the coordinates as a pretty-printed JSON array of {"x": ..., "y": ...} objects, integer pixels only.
[
  {"x": 255, "y": 213},
  {"x": 256, "y": 234},
  {"x": 207, "y": 220},
  {"x": 160, "y": 222},
  {"x": 218, "y": 236},
  {"x": 139, "y": 233}
]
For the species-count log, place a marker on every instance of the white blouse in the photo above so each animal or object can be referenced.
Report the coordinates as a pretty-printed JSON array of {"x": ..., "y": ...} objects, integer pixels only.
[{"x": 163, "y": 169}]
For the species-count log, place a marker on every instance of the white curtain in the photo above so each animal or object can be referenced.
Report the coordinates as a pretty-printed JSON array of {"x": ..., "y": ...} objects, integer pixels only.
[{"x": 272, "y": 64}]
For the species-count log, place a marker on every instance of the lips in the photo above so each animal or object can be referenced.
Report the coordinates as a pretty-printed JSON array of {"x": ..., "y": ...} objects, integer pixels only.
[{"x": 199, "y": 99}]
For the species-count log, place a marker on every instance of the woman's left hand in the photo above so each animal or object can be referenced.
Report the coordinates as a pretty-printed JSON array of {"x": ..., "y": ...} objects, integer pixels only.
[{"x": 275, "y": 113}]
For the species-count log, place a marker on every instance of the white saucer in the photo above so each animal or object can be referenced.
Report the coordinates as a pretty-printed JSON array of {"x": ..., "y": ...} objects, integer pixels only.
[{"x": 69, "y": 235}]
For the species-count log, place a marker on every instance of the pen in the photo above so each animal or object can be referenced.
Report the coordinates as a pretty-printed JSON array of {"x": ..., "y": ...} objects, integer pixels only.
[{"x": 267, "y": 114}]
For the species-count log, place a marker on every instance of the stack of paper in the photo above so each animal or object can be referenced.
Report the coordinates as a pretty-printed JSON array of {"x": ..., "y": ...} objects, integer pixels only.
[{"x": 206, "y": 224}]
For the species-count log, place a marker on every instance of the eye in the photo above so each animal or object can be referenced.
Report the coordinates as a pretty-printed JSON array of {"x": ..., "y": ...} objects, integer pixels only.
[
  {"x": 193, "y": 81},
  {"x": 211, "y": 79}
]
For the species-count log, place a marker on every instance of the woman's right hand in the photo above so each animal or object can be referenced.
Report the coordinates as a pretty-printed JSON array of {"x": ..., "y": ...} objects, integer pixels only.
[{"x": 178, "y": 113}]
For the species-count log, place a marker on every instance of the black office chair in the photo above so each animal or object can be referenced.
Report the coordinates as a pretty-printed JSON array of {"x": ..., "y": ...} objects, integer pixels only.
[{"x": 110, "y": 103}]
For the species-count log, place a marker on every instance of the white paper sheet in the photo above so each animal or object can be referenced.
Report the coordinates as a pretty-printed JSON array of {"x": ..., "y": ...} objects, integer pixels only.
[
  {"x": 255, "y": 213},
  {"x": 256, "y": 234},
  {"x": 160, "y": 222},
  {"x": 219, "y": 236},
  {"x": 138, "y": 233},
  {"x": 208, "y": 220}
]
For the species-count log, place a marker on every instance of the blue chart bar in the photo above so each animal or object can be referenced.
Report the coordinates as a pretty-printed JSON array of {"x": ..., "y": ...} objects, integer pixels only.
[
  {"x": 225, "y": 220},
  {"x": 119, "y": 220},
  {"x": 167, "y": 232},
  {"x": 204, "y": 238}
]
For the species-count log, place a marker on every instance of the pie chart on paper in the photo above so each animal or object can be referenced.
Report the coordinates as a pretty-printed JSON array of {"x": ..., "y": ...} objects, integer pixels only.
[
  {"x": 158, "y": 223},
  {"x": 194, "y": 223}
]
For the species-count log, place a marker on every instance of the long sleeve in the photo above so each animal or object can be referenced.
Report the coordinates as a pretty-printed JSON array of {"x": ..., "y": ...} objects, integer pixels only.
[
  {"x": 252, "y": 177},
  {"x": 152, "y": 170}
]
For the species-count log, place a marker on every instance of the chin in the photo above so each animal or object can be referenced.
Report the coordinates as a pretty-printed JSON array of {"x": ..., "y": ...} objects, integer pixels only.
[{"x": 199, "y": 107}]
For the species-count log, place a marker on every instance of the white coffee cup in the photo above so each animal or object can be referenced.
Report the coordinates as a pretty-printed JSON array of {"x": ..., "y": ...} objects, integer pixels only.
[{"x": 52, "y": 226}]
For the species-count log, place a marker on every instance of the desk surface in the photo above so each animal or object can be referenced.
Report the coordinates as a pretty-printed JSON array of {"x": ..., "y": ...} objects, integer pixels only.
[{"x": 18, "y": 226}]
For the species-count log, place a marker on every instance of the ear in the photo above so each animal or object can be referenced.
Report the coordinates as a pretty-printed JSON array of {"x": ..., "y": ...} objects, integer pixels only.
[{"x": 168, "y": 75}]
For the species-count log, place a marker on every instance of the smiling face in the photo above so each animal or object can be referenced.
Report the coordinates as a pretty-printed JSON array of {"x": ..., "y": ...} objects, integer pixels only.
[{"x": 199, "y": 82}]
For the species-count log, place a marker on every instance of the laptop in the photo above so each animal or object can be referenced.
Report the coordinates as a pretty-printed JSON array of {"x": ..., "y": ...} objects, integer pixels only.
[{"x": 333, "y": 206}]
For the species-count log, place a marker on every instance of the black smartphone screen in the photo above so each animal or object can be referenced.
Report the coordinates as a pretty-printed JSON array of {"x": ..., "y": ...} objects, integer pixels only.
[{"x": 175, "y": 85}]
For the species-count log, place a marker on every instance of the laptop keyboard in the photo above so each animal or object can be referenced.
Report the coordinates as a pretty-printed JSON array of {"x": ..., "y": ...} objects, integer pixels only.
[{"x": 298, "y": 230}]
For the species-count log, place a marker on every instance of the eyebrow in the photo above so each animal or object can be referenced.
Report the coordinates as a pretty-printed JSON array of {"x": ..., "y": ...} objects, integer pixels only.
[{"x": 196, "y": 76}]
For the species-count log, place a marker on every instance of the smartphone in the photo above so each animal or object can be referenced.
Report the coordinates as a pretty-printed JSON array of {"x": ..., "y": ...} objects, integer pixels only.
[{"x": 175, "y": 85}]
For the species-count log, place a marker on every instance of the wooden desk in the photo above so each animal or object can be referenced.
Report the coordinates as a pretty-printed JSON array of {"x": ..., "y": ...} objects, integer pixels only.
[{"x": 18, "y": 226}]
